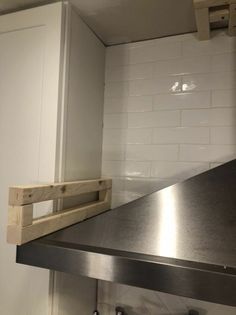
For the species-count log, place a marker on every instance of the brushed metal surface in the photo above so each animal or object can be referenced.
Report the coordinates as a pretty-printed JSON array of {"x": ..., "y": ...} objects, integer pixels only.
[{"x": 180, "y": 240}]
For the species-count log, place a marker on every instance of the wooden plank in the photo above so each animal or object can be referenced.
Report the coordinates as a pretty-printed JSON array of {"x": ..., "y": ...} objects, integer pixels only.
[
  {"x": 201, "y": 4},
  {"x": 23, "y": 195},
  {"x": 232, "y": 20},
  {"x": 20, "y": 215},
  {"x": 203, "y": 24},
  {"x": 219, "y": 15},
  {"x": 54, "y": 222}
]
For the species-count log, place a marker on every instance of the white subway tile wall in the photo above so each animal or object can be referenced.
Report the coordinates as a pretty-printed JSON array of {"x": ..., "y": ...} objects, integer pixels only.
[
  {"x": 169, "y": 111},
  {"x": 138, "y": 301},
  {"x": 169, "y": 114}
]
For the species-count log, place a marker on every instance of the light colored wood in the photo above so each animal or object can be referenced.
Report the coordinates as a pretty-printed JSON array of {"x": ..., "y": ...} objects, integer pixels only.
[
  {"x": 29, "y": 194},
  {"x": 203, "y": 24},
  {"x": 200, "y": 4},
  {"x": 232, "y": 20},
  {"x": 20, "y": 215},
  {"x": 210, "y": 11},
  {"x": 23, "y": 228},
  {"x": 42, "y": 226},
  {"x": 219, "y": 15}
]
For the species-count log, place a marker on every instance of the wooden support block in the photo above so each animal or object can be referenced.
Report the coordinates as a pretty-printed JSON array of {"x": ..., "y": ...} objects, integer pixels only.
[
  {"x": 54, "y": 222},
  {"x": 20, "y": 215},
  {"x": 23, "y": 228},
  {"x": 219, "y": 15},
  {"x": 29, "y": 194},
  {"x": 200, "y": 4},
  {"x": 232, "y": 20},
  {"x": 203, "y": 23}
]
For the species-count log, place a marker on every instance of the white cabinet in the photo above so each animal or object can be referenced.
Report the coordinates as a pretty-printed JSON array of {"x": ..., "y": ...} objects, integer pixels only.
[{"x": 51, "y": 100}]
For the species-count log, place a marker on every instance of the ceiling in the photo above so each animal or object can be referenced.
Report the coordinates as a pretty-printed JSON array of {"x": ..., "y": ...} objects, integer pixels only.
[{"x": 122, "y": 21}]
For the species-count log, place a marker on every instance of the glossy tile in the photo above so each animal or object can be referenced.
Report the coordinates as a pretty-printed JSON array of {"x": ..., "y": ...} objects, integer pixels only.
[
  {"x": 209, "y": 117},
  {"x": 128, "y": 104},
  {"x": 127, "y": 136},
  {"x": 117, "y": 89},
  {"x": 207, "y": 153},
  {"x": 154, "y": 119},
  {"x": 139, "y": 136},
  {"x": 208, "y": 81},
  {"x": 223, "y": 116},
  {"x": 196, "y": 117},
  {"x": 113, "y": 152},
  {"x": 223, "y": 62},
  {"x": 180, "y": 66},
  {"x": 218, "y": 44},
  {"x": 142, "y": 53},
  {"x": 182, "y": 100},
  {"x": 145, "y": 186},
  {"x": 223, "y": 135},
  {"x": 167, "y": 50},
  {"x": 117, "y": 55},
  {"x": 152, "y": 152},
  {"x": 178, "y": 170},
  {"x": 126, "y": 168},
  {"x": 177, "y": 135},
  {"x": 224, "y": 98},
  {"x": 115, "y": 120},
  {"x": 152, "y": 88},
  {"x": 164, "y": 84},
  {"x": 130, "y": 72},
  {"x": 114, "y": 136}
]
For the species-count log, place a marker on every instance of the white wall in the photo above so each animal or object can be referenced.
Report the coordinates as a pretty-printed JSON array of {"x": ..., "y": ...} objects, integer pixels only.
[
  {"x": 169, "y": 114},
  {"x": 29, "y": 74},
  {"x": 169, "y": 111}
]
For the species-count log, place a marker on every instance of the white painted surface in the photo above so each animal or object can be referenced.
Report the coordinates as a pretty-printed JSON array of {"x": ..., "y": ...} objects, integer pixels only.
[
  {"x": 29, "y": 77},
  {"x": 85, "y": 103},
  {"x": 82, "y": 147},
  {"x": 116, "y": 21},
  {"x": 169, "y": 114}
]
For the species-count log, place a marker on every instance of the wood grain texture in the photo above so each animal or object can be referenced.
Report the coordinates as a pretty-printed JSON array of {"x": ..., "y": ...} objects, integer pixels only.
[
  {"x": 200, "y": 4},
  {"x": 219, "y": 15},
  {"x": 42, "y": 226},
  {"x": 23, "y": 195},
  {"x": 23, "y": 228},
  {"x": 232, "y": 20},
  {"x": 20, "y": 215},
  {"x": 203, "y": 23}
]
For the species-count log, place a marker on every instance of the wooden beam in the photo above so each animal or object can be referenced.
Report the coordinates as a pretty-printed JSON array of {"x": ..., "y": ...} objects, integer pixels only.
[
  {"x": 203, "y": 23},
  {"x": 20, "y": 215},
  {"x": 29, "y": 194},
  {"x": 23, "y": 228},
  {"x": 201, "y": 4},
  {"x": 232, "y": 20},
  {"x": 219, "y": 15},
  {"x": 58, "y": 220}
]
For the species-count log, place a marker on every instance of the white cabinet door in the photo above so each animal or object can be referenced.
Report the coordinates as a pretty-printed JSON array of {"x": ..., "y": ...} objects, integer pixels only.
[{"x": 30, "y": 45}]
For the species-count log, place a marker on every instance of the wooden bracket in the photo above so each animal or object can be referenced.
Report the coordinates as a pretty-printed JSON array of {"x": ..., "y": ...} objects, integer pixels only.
[
  {"x": 208, "y": 12},
  {"x": 22, "y": 227}
]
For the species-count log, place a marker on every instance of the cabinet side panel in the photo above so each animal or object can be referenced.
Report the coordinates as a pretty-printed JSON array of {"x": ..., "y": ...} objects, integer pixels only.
[
  {"x": 85, "y": 103},
  {"x": 82, "y": 147}
]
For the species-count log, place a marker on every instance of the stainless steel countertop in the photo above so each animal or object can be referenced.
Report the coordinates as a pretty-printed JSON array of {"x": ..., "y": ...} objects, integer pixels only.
[{"x": 179, "y": 240}]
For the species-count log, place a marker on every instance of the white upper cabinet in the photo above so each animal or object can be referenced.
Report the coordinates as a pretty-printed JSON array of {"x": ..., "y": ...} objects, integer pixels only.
[{"x": 48, "y": 117}]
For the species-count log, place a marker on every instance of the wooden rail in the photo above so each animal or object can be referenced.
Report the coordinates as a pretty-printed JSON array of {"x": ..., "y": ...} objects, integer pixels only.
[
  {"x": 22, "y": 227},
  {"x": 214, "y": 11}
]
